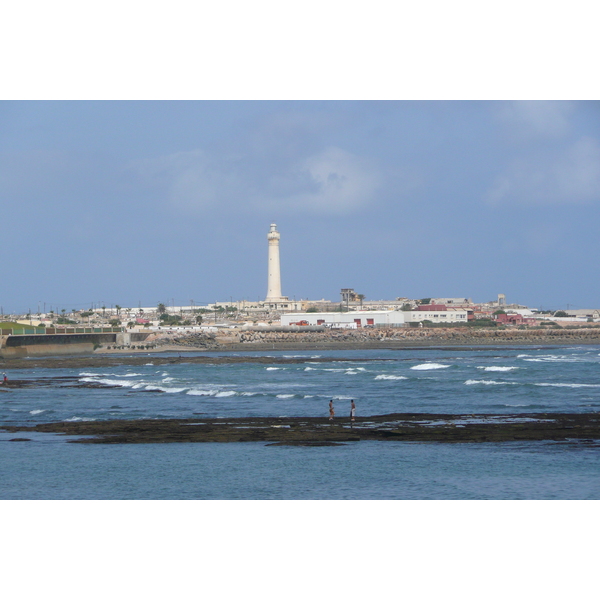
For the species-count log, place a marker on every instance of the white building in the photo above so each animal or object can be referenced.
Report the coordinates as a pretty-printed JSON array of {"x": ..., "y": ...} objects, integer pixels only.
[
  {"x": 452, "y": 301},
  {"x": 363, "y": 318},
  {"x": 448, "y": 315}
]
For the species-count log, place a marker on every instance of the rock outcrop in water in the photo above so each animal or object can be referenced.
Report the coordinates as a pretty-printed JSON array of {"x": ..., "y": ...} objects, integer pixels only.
[{"x": 319, "y": 431}]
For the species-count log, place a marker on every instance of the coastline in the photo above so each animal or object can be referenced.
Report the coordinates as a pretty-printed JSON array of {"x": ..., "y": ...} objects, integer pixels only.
[{"x": 240, "y": 352}]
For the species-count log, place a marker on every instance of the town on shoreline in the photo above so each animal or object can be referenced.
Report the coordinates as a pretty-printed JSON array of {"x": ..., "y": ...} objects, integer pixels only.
[{"x": 354, "y": 322}]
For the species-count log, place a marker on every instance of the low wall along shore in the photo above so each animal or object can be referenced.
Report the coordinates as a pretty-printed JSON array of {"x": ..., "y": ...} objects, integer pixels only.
[{"x": 384, "y": 337}]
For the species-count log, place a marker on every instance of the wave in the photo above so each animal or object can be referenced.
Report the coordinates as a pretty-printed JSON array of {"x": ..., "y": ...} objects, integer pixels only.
[
  {"x": 285, "y": 396},
  {"x": 80, "y": 419},
  {"x": 499, "y": 369},
  {"x": 110, "y": 382},
  {"x": 429, "y": 367},
  {"x": 214, "y": 392},
  {"x": 391, "y": 377},
  {"x": 202, "y": 392},
  {"x": 569, "y": 385},
  {"x": 343, "y": 398},
  {"x": 85, "y": 374},
  {"x": 274, "y": 368},
  {"x": 488, "y": 382},
  {"x": 351, "y": 372},
  {"x": 309, "y": 369},
  {"x": 36, "y": 412},
  {"x": 166, "y": 390},
  {"x": 551, "y": 358}
]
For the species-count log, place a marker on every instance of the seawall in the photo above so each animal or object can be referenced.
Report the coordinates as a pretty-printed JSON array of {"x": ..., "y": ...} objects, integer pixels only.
[{"x": 22, "y": 346}]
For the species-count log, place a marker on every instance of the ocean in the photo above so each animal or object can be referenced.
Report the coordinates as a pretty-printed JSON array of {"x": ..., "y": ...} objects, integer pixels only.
[{"x": 474, "y": 380}]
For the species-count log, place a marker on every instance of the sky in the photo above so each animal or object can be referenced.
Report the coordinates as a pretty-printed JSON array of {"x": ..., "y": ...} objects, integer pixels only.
[{"x": 140, "y": 202}]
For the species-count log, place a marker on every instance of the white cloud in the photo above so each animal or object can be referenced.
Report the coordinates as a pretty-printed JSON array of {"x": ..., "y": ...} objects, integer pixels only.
[
  {"x": 330, "y": 181},
  {"x": 569, "y": 176},
  {"x": 527, "y": 119}
]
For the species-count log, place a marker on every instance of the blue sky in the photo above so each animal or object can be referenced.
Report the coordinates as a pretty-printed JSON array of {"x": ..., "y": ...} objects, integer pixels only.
[{"x": 121, "y": 202}]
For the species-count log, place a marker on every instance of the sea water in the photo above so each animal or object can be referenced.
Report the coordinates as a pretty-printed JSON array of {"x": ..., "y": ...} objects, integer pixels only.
[{"x": 486, "y": 380}]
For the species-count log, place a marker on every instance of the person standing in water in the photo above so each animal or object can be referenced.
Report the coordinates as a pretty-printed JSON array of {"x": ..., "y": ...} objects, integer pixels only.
[
  {"x": 331, "y": 411},
  {"x": 352, "y": 410}
]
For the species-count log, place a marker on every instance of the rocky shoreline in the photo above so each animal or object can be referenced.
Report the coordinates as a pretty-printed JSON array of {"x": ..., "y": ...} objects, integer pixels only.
[
  {"x": 319, "y": 431},
  {"x": 380, "y": 338}
]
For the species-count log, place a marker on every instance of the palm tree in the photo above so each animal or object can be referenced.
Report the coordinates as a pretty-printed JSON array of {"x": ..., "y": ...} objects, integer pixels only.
[
  {"x": 361, "y": 297},
  {"x": 118, "y": 309},
  {"x": 162, "y": 309}
]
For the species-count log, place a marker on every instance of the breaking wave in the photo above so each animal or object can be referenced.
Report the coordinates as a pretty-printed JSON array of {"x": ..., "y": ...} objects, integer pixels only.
[
  {"x": 429, "y": 367},
  {"x": 488, "y": 382},
  {"x": 569, "y": 385},
  {"x": 391, "y": 377}
]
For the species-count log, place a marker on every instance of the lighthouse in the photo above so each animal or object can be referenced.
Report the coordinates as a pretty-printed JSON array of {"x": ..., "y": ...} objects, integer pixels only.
[{"x": 274, "y": 277}]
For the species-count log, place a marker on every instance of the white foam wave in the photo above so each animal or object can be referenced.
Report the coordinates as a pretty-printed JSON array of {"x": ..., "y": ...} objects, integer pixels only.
[
  {"x": 166, "y": 390},
  {"x": 549, "y": 358},
  {"x": 36, "y": 412},
  {"x": 248, "y": 393},
  {"x": 487, "y": 382},
  {"x": 391, "y": 377},
  {"x": 429, "y": 367},
  {"x": 216, "y": 393},
  {"x": 80, "y": 419},
  {"x": 569, "y": 385},
  {"x": 132, "y": 374},
  {"x": 202, "y": 392},
  {"x": 284, "y": 396},
  {"x": 309, "y": 369},
  {"x": 85, "y": 374},
  {"x": 109, "y": 382},
  {"x": 308, "y": 396},
  {"x": 273, "y": 368},
  {"x": 499, "y": 369},
  {"x": 343, "y": 398},
  {"x": 351, "y": 373}
]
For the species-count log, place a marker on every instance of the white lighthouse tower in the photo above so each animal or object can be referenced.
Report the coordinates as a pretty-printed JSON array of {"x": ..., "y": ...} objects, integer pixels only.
[{"x": 274, "y": 279}]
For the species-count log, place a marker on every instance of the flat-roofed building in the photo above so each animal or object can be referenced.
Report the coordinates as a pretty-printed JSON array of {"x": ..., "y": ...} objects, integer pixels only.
[
  {"x": 452, "y": 301},
  {"x": 437, "y": 315},
  {"x": 362, "y": 318}
]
